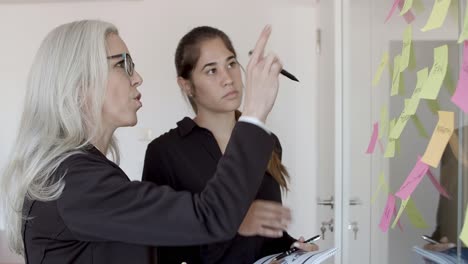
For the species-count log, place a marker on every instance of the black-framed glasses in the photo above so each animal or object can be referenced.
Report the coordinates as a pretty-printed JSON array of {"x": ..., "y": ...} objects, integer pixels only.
[{"x": 128, "y": 62}]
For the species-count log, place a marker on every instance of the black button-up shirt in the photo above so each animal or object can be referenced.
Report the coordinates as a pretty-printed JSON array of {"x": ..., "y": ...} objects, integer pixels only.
[{"x": 186, "y": 158}]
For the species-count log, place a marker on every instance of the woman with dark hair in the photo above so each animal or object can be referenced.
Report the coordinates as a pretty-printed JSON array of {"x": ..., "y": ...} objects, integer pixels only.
[{"x": 210, "y": 76}]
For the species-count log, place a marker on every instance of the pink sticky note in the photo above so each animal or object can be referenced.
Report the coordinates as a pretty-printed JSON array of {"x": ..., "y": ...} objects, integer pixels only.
[
  {"x": 460, "y": 97},
  {"x": 395, "y": 4},
  {"x": 413, "y": 179},
  {"x": 373, "y": 141},
  {"x": 387, "y": 214},
  {"x": 437, "y": 185},
  {"x": 409, "y": 17}
]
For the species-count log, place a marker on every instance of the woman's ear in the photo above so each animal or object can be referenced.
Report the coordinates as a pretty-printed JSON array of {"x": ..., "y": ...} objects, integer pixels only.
[{"x": 186, "y": 86}]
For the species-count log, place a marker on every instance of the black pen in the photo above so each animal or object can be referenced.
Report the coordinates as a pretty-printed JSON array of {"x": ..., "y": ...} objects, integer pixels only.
[
  {"x": 294, "y": 249},
  {"x": 284, "y": 72}
]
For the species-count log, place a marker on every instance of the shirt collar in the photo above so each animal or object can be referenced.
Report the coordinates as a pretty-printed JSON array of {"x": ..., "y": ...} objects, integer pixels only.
[{"x": 185, "y": 126}]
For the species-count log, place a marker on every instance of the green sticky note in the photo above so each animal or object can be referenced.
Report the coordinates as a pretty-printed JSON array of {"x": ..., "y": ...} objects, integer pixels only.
[
  {"x": 414, "y": 215},
  {"x": 411, "y": 105},
  {"x": 381, "y": 185},
  {"x": 401, "y": 86},
  {"x": 396, "y": 76},
  {"x": 390, "y": 149},
  {"x": 383, "y": 121},
  {"x": 464, "y": 33},
  {"x": 378, "y": 73},
  {"x": 412, "y": 62},
  {"x": 438, "y": 15},
  {"x": 422, "y": 131},
  {"x": 406, "y": 7},
  {"x": 391, "y": 125},
  {"x": 449, "y": 82},
  {"x": 432, "y": 86},
  {"x": 399, "y": 126},
  {"x": 421, "y": 79},
  {"x": 400, "y": 212},
  {"x": 433, "y": 106},
  {"x": 418, "y": 6},
  {"x": 406, "y": 50}
]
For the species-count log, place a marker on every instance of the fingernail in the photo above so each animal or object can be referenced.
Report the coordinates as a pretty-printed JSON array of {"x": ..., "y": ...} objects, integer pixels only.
[
  {"x": 296, "y": 244},
  {"x": 280, "y": 233}
]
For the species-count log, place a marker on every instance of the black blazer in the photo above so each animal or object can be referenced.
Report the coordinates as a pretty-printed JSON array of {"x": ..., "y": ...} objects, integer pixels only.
[
  {"x": 103, "y": 217},
  {"x": 186, "y": 158}
]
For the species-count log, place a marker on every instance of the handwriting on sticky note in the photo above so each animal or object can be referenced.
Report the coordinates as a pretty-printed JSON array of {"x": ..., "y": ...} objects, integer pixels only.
[
  {"x": 415, "y": 215},
  {"x": 438, "y": 15},
  {"x": 413, "y": 180},
  {"x": 460, "y": 96},
  {"x": 387, "y": 214},
  {"x": 380, "y": 69},
  {"x": 436, "y": 77},
  {"x": 373, "y": 141},
  {"x": 439, "y": 139}
]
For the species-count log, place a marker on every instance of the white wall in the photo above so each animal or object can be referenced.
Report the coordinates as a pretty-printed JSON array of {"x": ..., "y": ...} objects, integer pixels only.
[{"x": 151, "y": 29}]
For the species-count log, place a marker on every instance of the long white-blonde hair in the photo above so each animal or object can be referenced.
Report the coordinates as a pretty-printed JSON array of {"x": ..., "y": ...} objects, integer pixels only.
[{"x": 61, "y": 116}]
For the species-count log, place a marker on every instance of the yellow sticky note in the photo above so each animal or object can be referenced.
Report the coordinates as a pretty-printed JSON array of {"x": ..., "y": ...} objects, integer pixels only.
[
  {"x": 378, "y": 73},
  {"x": 412, "y": 62},
  {"x": 391, "y": 125},
  {"x": 406, "y": 50},
  {"x": 438, "y": 15},
  {"x": 464, "y": 232},
  {"x": 433, "y": 106},
  {"x": 421, "y": 78},
  {"x": 390, "y": 149},
  {"x": 439, "y": 139},
  {"x": 432, "y": 86},
  {"x": 448, "y": 81},
  {"x": 400, "y": 123},
  {"x": 381, "y": 185},
  {"x": 422, "y": 131},
  {"x": 414, "y": 215},
  {"x": 418, "y": 6},
  {"x": 464, "y": 33},
  {"x": 412, "y": 105},
  {"x": 406, "y": 7},
  {"x": 400, "y": 212},
  {"x": 383, "y": 121},
  {"x": 401, "y": 86},
  {"x": 396, "y": 76}
]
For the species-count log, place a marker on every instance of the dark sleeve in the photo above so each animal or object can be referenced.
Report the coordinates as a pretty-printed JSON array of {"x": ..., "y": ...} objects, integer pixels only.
[
  {"x": 277, "y": 148},
  {"x": 98, "y": 202},
  {"x": 277, "y": 245}
]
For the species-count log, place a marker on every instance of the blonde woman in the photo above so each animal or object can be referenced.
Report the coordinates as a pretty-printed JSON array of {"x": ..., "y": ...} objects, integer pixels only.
[{"x": 65, "y": 202}]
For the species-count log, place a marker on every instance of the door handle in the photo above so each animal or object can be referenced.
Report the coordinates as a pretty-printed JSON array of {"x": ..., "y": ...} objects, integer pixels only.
[{"x": 327, "y": 202}]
